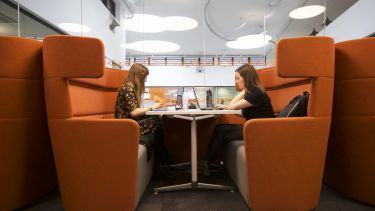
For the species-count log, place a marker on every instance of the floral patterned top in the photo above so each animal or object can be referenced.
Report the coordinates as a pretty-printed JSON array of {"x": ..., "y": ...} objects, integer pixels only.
[{"x": 127, "y": 102}]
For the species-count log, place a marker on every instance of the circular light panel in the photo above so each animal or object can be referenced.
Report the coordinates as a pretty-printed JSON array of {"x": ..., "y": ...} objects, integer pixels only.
[
  {"x": 249, "y": 41},
  {"x": 154, "y": 24},
  {"x": 74, "y": 27},
  {"x": 179, "y": 23},
  {"x": 307, "y": 12},
  {"x": 152, "y": 46},
  {"x": 145, "y": 23}
]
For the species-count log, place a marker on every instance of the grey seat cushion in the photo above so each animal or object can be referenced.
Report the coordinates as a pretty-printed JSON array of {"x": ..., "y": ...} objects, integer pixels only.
[
  {"x": 235, "y": 163},
  {"x": 144, "y": 172}
]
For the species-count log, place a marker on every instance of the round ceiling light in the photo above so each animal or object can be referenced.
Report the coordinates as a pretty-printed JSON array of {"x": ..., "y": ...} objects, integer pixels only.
[
  {"x": 152, "y": 46},
  {"x": 179, "y": 23},
  {"x": 307, "y": 12},
  {"x": 249, "y": 41},
  {"x": 74, "y": 27},
  {"x": 145, "y": 23},
  {"x": 153, "y": 24}
]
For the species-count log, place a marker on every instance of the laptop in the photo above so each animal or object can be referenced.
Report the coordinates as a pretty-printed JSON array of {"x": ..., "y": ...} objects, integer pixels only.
[
  {"x": 180, "y": 92},
  {"x": 199, "y": 107}
]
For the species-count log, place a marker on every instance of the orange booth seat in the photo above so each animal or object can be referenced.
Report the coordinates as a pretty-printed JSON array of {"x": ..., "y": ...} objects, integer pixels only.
[
  {"x": 350, "y": 164},
  {"x": 99, "y": 161},
  {"x": 279, "y": 165},
  {"x": 27, "y": 170}
]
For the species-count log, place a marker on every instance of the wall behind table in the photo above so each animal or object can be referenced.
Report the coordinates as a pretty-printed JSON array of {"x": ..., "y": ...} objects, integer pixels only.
[
  {"x": 94, "y": 15},
  {"x": 188, "y": 76}
]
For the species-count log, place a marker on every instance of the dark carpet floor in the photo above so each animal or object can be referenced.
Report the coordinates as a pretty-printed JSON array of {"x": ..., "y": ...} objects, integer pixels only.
[{"x": 330, "y": 200}]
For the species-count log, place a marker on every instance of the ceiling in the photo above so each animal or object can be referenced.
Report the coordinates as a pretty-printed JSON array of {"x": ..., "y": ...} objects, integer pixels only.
[{"x": 230, "y": 20}]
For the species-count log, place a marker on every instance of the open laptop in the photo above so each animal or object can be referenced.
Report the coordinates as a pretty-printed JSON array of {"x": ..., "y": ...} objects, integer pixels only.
[
  {"x": 199, "y": 107},
  {"x": 180, "y": 92}
]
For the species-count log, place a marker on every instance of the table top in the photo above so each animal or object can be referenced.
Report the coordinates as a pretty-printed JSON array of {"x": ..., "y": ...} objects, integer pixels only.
[{"x": 193, "y": 112}]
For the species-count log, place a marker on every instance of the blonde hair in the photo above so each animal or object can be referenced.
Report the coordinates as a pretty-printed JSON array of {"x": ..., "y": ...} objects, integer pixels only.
[{"x": 137, "y": 75}]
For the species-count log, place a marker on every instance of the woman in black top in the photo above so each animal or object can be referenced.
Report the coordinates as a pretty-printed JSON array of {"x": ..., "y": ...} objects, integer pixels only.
[{"x": 254, "y": 103}]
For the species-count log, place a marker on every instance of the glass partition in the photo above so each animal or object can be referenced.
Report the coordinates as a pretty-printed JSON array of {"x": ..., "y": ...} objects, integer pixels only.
[
  {"x": 9, "y": 19},
  {"x": 300, "y": 18},
  {"x": 183, "y": 43},
  {"x": 38, "y": 18}
]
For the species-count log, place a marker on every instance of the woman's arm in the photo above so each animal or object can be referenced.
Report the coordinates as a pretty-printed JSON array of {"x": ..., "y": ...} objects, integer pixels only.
[
  {"x": 142, "y": 111},
  {"x": 238, "y": 97},
  {"x": 239, "y": 105}
]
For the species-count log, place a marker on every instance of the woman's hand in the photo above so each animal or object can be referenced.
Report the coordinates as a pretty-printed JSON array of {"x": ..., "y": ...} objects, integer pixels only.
[
  {"x": 157, "y": 105},
  {"x": 221, "y": 107}
]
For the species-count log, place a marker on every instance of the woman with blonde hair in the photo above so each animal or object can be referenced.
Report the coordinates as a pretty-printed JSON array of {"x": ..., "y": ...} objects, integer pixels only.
[
  {"x": 128, "y": 105},
  {"x": 254, "y": 103}
]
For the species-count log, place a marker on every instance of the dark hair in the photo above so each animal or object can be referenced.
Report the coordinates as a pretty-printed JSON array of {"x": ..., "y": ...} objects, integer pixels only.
[{"x": 250, "y": 76}]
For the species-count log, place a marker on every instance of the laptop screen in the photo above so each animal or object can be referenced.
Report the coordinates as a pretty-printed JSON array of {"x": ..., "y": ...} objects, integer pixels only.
[{"x": 180, "y": 91}]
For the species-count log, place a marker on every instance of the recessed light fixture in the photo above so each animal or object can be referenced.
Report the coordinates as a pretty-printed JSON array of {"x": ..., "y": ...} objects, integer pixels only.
[
  {"x": 152, "y": 46},
  {"x": 307, "y": 12},
  {"x": 154, "y": 24},
  {"x": 74, "y": 27},
  {"x": 249, "y": 41}
]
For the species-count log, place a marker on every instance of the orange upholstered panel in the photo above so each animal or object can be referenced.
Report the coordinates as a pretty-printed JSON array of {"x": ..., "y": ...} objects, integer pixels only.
[
  {"x": 354, "y": 59},
  {"x": 27, "y": 169},
  {"x": 100, "y": 93},
  {"x": 96, "y": 101},
  {"x": 96, "y": 156},
  {"x": 111, "y": 79},
  {"x": 21, "y": 58},
  {"x": 271, "y": 80},
  {"x": 305, "y": 57},
  {"x": 21, "y": 98},
  {"x": 96, "y": 162},
  {"x": 285, "y": 160},
  {"x": 350, "y": 157},
  {"x": 320, "y": 99},
  {"x": 285, "y": 156},
  {"x": 357, "y": 97},
  {"x": 75, "y": 58}
]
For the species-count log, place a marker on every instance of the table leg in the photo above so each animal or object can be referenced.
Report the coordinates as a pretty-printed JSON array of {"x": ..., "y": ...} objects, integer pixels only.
[
  {"x": 194, "y": 156},
  {"x": 194, "y": 170}
]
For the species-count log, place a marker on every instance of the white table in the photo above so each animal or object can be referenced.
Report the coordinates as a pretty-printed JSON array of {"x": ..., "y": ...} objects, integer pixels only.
[{"x": 193, "y": 115}]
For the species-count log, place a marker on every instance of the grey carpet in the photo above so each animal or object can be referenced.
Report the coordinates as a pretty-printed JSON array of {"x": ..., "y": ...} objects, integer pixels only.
[{"x": 330, "y": 200}]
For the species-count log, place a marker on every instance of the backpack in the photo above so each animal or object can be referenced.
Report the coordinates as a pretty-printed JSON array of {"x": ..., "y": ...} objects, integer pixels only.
[{"x": 296, "y": 107}]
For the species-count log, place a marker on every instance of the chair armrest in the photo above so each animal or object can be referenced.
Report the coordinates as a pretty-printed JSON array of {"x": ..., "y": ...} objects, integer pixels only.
[
  {"x": 285, "y": 160},
  {"x": 96, "y": 162}
]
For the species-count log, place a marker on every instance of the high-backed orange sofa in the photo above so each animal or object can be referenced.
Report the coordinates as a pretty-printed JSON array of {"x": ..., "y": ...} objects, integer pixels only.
[
  {"x": 350, "y": 164},
  {"x": 99, "y": 161},
  {"x": 27, "y": 170},
  {"x": 279, "y": 166}
]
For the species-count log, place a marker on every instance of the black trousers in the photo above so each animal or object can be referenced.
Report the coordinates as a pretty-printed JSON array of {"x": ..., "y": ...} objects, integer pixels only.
[
  {"x": 222, "y": 135},
  {"x": 155, "y": 142}
]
